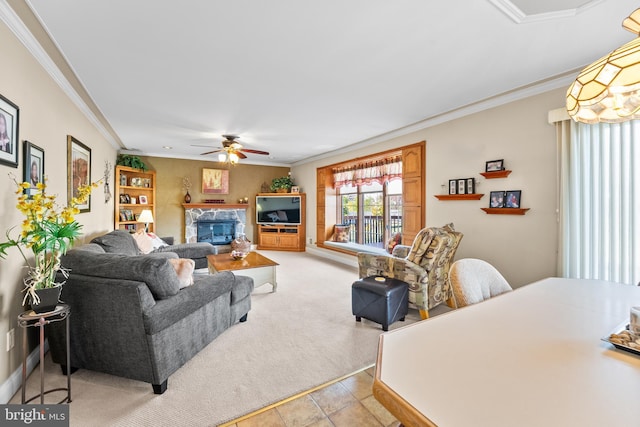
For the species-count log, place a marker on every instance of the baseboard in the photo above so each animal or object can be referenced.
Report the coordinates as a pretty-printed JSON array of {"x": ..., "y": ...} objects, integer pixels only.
[{"x": 11, "y": 386}]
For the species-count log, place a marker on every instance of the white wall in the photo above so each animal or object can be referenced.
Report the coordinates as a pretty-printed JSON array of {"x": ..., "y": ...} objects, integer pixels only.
[
  {"x": 523, "y": 248},
  {"x": 47, "y": 116}
]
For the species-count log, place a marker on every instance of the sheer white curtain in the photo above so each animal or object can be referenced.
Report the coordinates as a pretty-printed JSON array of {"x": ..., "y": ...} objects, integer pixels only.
[{"x": 600, "y": 201}]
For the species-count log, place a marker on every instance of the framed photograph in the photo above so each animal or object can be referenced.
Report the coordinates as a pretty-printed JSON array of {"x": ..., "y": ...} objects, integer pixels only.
[
  {"x": 78, "y": 170},
  {"x": 471, "y": 185},
  {"x": 143, "y": 199},
  {"x": 123, "y": 180},
  {"x": 9, "y": 123},
  {"x": 512, "y": 199},
  {"x": 494, "y": 165},
  {"x": 123, "y": 215},
  {"x": 136, "y": 182},
  {"x": 123, "y": 198},
  {"x": 462, "y": 185},
  {"x": 295, "y": 189},
  {"x": 33, "y": 167},
  {"x": 215, "y": 181},
  {"x": 453, "y": 186},
  {"x": 496, "y": 199}
]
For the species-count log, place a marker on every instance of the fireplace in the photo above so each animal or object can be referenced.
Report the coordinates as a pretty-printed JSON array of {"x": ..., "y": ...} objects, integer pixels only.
[{"x": 216, "y": 231}]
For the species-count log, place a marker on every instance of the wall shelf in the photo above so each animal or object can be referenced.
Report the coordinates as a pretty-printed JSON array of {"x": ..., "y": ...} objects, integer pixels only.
[
  {"x": 496, "y": 174},
  {"x": 505, "y": 211},
  {"x": 474, "y": 196}
]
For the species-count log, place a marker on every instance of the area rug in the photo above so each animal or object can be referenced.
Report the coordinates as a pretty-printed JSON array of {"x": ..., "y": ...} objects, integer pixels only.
[{"x": 297, "y": 338}]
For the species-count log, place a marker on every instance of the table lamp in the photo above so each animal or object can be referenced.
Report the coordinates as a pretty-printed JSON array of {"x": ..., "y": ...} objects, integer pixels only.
[{"x": 147, "y": 217}]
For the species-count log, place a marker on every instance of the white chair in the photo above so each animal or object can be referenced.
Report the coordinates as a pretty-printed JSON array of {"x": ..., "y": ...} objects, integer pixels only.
[{"x": 473, "y": 281}]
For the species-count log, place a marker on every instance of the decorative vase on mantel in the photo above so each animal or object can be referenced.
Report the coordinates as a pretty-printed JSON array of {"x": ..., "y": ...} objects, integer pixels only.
[
  {"x": 187, "y": 197},
  {"x": 49, "y": 298}
]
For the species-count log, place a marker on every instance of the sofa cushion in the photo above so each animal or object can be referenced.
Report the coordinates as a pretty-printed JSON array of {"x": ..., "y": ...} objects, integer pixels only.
[
  {"x": 205, "y": 289},
  {"x": 184, "y": 269},
  {"x": 143, "y": 242},
  {"x": 118, "y": 242},
  {"x": 154, "y": 270}
]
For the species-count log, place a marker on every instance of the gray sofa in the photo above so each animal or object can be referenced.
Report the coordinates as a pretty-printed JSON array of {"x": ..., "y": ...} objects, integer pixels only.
[{"x": 130, "y": 318}]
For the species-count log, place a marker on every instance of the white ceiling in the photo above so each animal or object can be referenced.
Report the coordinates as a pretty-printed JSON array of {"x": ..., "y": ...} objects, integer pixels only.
[{"x": 302, "y": 78}]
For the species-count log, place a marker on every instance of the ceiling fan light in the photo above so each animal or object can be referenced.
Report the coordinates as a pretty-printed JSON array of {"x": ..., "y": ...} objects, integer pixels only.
[
  {"x": 607, "y": 90},
  {"x": 222, "y": 157},
  {"x": 233, "y": 158}
]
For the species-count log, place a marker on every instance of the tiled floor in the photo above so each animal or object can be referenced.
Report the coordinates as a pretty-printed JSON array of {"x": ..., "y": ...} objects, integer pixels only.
[{"x": 347, "y": 403}]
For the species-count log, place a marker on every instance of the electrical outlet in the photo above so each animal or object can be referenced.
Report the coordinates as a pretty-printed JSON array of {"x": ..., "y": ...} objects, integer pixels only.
[{"x": 11, "y": 339}]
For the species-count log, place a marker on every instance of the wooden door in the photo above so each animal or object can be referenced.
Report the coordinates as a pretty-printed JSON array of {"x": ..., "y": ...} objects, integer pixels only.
[{"x": 413, "y": 191}]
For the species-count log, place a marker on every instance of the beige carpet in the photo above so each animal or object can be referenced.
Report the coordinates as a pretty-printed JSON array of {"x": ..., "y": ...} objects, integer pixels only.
[{"x": 297, "y": 338}]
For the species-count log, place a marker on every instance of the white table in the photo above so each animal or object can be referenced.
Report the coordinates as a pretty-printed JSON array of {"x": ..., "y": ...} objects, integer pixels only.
[{"x": 531, "y": 357}]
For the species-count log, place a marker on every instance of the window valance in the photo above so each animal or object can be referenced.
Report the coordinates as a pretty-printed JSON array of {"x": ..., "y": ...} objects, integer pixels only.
[{"x": 367, "y": 172}]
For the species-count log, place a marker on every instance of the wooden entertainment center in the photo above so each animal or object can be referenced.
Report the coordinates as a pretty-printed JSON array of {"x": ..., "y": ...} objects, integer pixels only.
[{"x": 284, "y": 237}]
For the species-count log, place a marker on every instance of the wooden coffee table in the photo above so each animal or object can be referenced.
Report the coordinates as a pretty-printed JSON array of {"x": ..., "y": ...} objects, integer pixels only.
[{"x": 260, "y": 268}]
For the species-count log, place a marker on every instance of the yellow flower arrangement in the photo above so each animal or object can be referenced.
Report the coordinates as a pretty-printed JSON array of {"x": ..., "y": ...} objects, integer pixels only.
[{"x": 48, "y": 231}]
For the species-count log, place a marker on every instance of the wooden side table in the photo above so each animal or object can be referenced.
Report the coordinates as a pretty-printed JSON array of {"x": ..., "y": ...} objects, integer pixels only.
[{"x": 40, "y": 320}]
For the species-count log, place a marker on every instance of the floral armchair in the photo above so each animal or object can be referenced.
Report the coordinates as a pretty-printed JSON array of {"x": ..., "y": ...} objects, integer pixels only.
[{"x": 424, "y": 266}]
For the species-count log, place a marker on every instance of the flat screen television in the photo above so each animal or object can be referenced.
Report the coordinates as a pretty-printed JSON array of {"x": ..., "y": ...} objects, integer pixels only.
[{"x": 283, "y": 209}]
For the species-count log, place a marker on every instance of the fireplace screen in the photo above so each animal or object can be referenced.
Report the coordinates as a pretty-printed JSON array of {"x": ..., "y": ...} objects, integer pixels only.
[{"x": 216, "y": 232}]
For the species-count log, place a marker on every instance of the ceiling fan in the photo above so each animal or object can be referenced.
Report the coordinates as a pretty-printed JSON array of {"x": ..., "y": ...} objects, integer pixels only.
[{"x": 232, "y": 151}]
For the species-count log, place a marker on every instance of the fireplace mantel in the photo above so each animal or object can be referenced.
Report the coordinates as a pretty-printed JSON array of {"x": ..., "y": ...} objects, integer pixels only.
[{"x": 215, "y": 206}]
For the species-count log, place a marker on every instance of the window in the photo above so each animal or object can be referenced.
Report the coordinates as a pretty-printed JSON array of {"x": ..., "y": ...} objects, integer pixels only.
[{"x": 373, "y": 210}]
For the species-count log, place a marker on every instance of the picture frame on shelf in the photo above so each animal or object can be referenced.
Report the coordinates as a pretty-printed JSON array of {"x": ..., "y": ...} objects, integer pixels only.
[
  {"x": 215, "y": 181},
  {"x": 496, "y": 199},
  {"x": 462, "y": 186},
  {"x": 471, "y": 185},
  {"x": 143, "y": 199},
  {"x": 123, "y": 180},
  {"x": 78, "y": 170},
  {"x": 136, "y": 182},
  {"x": 9, "y": 127},
  {"x": 453, "y": 186},
  {"x": 33, "y": 167},
  {"x": 512, "y": 199},
  {"x": 124, "y": 199},
  {"x": 494, "y": 165},
  {"x": 295, "y": 189}
]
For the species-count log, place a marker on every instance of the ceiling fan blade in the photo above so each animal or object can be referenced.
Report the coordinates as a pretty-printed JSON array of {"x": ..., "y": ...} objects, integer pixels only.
[
  {"x": 242, "y": 156},
  {"x": 249, "y": 150},
  {"x": 205, "y": 146},
  {"x": 210, "y": 152}
]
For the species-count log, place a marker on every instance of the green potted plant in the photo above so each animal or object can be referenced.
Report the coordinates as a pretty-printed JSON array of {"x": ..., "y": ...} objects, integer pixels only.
[
  {"x": 131, "y": 161},
  {"x": 282, "y": 184},
  {"x": 48, "y": 231}
]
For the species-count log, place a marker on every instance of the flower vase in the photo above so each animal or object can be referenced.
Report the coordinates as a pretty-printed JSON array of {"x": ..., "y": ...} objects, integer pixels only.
[
  {"x": 187, "y": 197},
  {"x": 49, "y": 298}
]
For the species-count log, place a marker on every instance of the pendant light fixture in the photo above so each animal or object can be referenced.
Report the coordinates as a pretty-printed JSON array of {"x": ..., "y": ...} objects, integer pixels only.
[{"x": 609, "y": 89}]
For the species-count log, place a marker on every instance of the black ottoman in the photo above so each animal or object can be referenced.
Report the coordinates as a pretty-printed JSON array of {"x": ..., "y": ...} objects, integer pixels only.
[{"x": 382, "y": 301}]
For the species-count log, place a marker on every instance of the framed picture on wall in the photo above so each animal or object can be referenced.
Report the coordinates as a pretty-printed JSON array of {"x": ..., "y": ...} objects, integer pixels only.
[
  {"x": 496, "y": 199},
  {"x": 453, "y": 186},
  {"x": 494, "y": 165},
  {"x": 9, "y": 123},
  {"x": 78, "y": 170},
  {"x": 462, "y": 185},
  {"x": 215, "y": 181},
  {"x": 512, "y": 199},
  {"x": 33, "y": 167},
  {"x": 471, "y": 185}
]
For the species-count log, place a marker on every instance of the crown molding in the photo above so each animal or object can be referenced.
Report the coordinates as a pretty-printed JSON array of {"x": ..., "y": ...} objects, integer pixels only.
[
  {"x": 21, "y": 31},
  {"x": 556, "y": 82}
]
